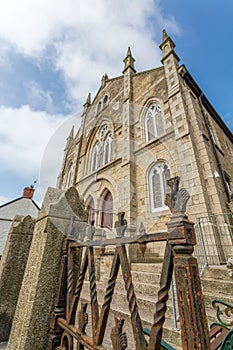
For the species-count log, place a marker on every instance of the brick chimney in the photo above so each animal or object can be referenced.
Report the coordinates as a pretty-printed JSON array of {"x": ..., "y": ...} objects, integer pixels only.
[{"x": 28, "y": 192}]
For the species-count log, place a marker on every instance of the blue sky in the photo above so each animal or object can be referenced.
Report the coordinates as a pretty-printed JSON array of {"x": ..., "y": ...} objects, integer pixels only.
[{"x": 53, "y": 53}]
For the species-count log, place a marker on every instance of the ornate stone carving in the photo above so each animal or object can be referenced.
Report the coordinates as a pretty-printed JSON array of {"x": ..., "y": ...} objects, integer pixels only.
[{"x": 177, "y": 200}]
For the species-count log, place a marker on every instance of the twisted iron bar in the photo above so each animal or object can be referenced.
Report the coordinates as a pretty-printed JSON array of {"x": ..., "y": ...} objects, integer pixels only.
[
  {"x": 108, "y": 299},
  {"x": 70, "y": 279},
  {"x": 93, "y": 291},
  {"x": 92, "y": 277},
  {"x": 78, "y": 289},
  {"x": 79, "y": 284},
  {"x": 139, "y": 338},
  {"x": 161, "y": 304}
]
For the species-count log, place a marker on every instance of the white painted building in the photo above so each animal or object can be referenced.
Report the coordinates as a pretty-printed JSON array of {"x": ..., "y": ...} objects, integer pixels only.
[{"x": 23, "y": 205}]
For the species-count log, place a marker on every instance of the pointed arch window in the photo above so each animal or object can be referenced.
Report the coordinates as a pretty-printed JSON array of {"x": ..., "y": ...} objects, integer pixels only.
[
  {"x": 102, "y": 151},
  {"x": 105, "y": 101},
  {"x": 107, "y": 157},
  {"x": 107, "y": 211},
  {"x": 158, "y": 176},
  {"x": 153, "y": 122},
  {"x": 95, "y": 159},
  {"x": 69, "y": 176},
  {"x": 99, "y": 107}
]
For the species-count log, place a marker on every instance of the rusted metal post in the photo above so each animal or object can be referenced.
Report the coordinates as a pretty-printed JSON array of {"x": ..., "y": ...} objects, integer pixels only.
[
  {"x": 139, "y": 339},
  {"x": 93, "y": 291},
  {"x": 193, "y": 321},
  {"x": 178, "y": 257},
  {"x": 73, "y": 267},
  {"x": 161, "y": 304}
]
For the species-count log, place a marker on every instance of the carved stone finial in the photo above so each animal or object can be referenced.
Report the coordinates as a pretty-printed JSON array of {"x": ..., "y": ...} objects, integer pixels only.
[
  {"x": 70, "y": 138},
  {"x": 121, "y": 224},
  {"x": 104, "y": 79},
  {"x": 170, "y": 199},
  {"x": 181, "y": 201},
  {"x": 129, "y": 61},
  {"x": 88, "y": 102},
  {"x": 167, "y": 47},
  {"x": 177, "y": 200},
  {"x": 165, "y": 36},
  {"x": 119, "y": 338}
]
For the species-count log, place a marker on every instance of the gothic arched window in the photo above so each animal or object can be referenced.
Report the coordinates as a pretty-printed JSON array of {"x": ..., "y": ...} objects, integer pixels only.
[
  {"x": 102, "y": 151},
  {"x": 153, "y": 122},
  {"x": 69, "y": 175},
  {"x": 105, "y": 101},
  {"x": 107, "y": 157},
  {"x": 107, "y": 211},
  {"x": 95, "y": 159},
  {"x": 99, "y": 107},
  {"x": 158, "y": 177}
]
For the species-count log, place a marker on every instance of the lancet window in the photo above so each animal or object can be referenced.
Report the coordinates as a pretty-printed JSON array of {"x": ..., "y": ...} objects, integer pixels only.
[
  {"x": 158, "y": 176},
  {"x": 103, "y": 148},
  {"x": 153, "y": 122}
]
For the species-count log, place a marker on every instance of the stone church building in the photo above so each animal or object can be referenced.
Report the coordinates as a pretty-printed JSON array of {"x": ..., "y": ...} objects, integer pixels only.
[{"x": 141, "y": 129}]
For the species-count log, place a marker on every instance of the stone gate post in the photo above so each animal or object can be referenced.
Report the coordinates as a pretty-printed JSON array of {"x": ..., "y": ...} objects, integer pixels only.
[
  {"x": 12, "y": 269},
  {"x": 30, "y": 329}
]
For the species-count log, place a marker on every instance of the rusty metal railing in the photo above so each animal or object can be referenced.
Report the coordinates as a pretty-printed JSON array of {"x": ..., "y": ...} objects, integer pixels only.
[
  {"x": 71, "y": 317},
  {"x": 214, "y": 234}
]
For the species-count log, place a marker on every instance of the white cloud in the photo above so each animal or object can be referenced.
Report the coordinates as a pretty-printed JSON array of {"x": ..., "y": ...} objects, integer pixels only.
[
  {"x": 90, "y": 37},
  {"x": 53, "y": 153},
  {"x": 98, "y": 45},
  {"x": 83, "y": 39},
  {"x": 24, "y": 135},
  {"x": 38, "y": 97}
]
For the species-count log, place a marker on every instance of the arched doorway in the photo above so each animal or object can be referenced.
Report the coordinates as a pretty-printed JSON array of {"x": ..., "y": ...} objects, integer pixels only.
[{"x": 107, "y": 211}]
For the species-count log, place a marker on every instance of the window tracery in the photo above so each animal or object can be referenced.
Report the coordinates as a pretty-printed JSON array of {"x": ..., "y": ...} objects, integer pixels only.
[
  {"x": 102, "y": 150},
  {"x": 153, "y": 122},
  {"x": 107, "y": 155},
  {"x": 158, "y": 176},
  {"x": 103, "y": 130},
  {"x": 95, "y": 159}
]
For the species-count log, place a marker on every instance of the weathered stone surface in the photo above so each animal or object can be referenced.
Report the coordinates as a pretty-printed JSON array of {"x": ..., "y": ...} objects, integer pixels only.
[
  {"x": 184, "y": 145},
  {"x": 231, "y": 206},
  {"x": 12, "y": 268},
  {"x": 32, "y": 318}
]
